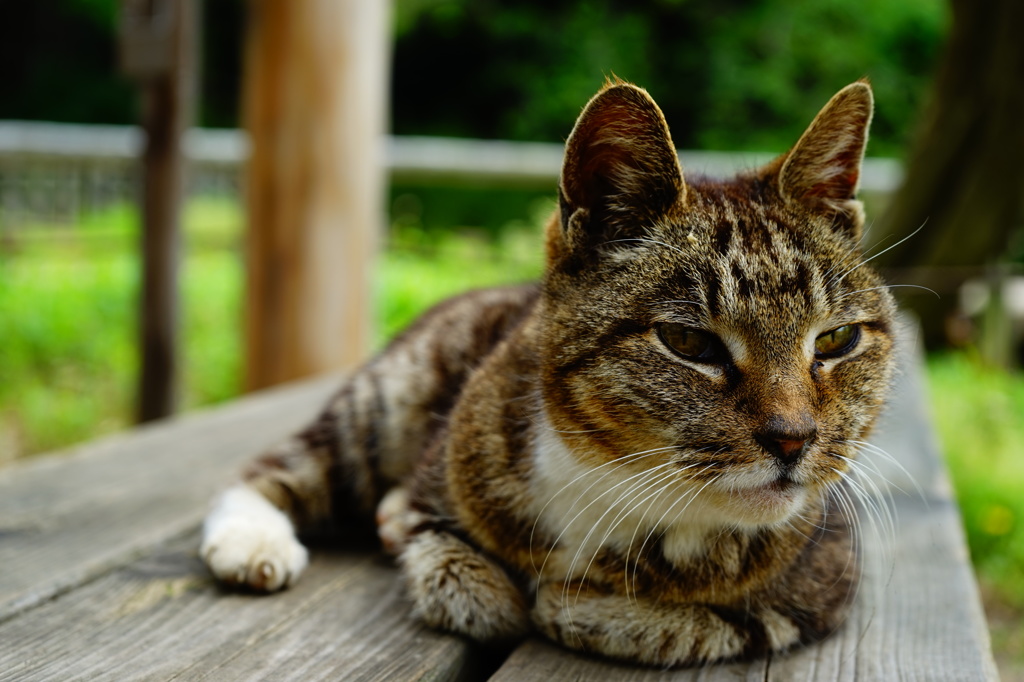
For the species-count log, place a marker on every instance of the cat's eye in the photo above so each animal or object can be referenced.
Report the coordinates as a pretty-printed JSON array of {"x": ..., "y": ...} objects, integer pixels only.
[
  {"x": 836, "y": 342},
  {"x": 692, "y": 344}
]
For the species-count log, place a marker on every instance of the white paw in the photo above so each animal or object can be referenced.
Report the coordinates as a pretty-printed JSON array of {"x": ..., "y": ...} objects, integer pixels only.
[{"x": 248, "y": 541}]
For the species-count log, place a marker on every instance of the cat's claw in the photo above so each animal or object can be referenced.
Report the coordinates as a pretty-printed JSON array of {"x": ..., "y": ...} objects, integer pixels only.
[{"x": 248, "y": 542}]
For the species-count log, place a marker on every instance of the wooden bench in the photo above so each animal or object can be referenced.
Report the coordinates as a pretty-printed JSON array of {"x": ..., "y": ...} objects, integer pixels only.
[{"x": 99, "y": 575}]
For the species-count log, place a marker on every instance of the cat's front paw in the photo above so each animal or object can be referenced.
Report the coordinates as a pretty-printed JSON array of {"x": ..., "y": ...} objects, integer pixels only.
[
  {"x": 251, "y": 543},
  {"x": 454, "y": 587}
]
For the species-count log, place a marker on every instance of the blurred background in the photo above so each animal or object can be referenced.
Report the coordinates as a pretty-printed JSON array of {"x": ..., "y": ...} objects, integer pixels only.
[{"x": 737, "y": 76}]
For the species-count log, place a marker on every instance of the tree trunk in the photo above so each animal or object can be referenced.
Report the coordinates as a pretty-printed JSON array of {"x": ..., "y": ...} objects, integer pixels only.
[
  {"x": 314, "y": 106},
  {"x": 965, "y": 176}
]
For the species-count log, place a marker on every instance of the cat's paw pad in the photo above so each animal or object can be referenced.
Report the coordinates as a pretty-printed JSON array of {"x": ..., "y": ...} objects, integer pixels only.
[
  {"x": 396, "y": 520},
  {"x": 250, "y": 543}
]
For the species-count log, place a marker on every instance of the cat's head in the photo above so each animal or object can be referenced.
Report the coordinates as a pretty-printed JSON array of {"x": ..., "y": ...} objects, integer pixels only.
[{"x": 732, "y": 327}]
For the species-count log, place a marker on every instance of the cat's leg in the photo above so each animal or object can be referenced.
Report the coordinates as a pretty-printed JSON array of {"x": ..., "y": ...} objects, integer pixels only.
[
  {"x": 337, "y": 468},
  {"x": 366, "y": 440},
  {"x": 250, "y": 536},
  {"x": 455, "y": 587},
  {"x": 452, "y": 585},
  {"x": 655, "y": 633}
]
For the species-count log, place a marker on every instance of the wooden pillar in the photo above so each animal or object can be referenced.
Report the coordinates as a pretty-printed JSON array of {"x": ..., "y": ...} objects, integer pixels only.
[
  {"x": 158, "y": 41},
  {"x": 314, "y": 106}
]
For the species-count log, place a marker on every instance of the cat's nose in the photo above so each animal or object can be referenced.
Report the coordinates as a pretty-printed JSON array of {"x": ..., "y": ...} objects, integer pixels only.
[{"x": 786, "y": 439}]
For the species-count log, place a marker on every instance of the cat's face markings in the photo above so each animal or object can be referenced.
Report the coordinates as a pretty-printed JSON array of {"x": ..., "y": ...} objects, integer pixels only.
[{"x": 726, "y": 326}]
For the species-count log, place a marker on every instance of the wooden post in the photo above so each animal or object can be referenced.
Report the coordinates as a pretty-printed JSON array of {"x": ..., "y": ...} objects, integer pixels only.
[
  {"x": 314, "y": 106},
  {"x": 158, "y": 48}
]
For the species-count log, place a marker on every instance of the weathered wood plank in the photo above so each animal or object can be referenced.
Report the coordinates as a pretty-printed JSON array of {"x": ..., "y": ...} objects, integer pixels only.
[
  {"x": 69, "y": 517},
  {"x": 918, "y": 615},
  {"x": 537, "y": 659},
  {"x": 163, "y": 618}
]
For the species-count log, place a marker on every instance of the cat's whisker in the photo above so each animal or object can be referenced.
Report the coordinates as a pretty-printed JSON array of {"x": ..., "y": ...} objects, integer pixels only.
[
  {"x": 854, "y": 559},
  {"x": 614, "y": 464},
  {"x": 892, "y": 286},
  {"x": 659, "y": 482},
  {"x": 657, "y": 524},
  {"x": 594, "y": 501},
  {"x": 869, "y": 469},
  {"x": 653, "y": 498},
  {"x": 878, "y": 502},
  {"x": 872, "y": 499},
  {"x": 681, "y": 511},
  {"x": 874, "y": 449},
  {"x": 632, "y": 539},
  {"x": 879, "y": 515},
  {"x": 839, "y": 278},
  {"x": 848, "y": 510},
  {"x": 883, "y": 499},
  {"x": 640, "y": 485}
]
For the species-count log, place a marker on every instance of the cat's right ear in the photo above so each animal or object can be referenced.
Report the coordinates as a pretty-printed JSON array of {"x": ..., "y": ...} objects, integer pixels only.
[
  {"x": 620, "y": 171},
  {"x": 822, "y": 171}
]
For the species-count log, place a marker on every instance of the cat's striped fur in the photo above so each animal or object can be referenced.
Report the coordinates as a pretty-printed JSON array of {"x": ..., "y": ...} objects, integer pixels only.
[{"x": 642, "y": 457}]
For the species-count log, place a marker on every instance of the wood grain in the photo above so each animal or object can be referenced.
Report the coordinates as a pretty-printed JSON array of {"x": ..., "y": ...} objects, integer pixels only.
[
  {"x": 162, "y": 618},
  {"x": 68, "y": 517}
]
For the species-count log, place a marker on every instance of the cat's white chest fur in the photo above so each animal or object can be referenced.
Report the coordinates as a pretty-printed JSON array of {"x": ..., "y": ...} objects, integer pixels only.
[{"x": 625, "y": 505}]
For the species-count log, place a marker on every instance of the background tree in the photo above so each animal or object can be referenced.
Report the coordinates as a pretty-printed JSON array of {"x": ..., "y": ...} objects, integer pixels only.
[{"x": 965, "y": 176}]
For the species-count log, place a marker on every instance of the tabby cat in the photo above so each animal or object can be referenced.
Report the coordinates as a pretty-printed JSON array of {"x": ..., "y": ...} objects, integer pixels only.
[{"x": 642, "y": 457}]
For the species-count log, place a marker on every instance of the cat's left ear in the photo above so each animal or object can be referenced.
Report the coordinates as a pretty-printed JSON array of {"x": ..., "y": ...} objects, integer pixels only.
[
  {"x": 620, "y": 172},
  {"x": 823, "y": 170}
]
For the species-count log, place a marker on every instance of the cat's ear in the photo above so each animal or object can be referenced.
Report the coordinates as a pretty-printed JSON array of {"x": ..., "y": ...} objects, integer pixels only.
[
  {"x": 620, "y": 171},
  {"x": 823, "y": 170}
]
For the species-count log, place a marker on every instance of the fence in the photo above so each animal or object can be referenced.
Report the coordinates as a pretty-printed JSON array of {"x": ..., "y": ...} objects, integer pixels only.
[{"x": 50, "y": 173}]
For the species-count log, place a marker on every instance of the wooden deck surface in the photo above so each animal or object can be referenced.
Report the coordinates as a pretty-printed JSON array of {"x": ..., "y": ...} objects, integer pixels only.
[{"x": 101, "y": 578}]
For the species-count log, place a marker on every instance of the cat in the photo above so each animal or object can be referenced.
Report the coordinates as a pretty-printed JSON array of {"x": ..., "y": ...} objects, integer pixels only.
[{"x": 643, "y": 456}]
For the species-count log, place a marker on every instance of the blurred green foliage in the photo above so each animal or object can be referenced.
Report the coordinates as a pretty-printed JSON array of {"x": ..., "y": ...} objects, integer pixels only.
[
  {"x": 68, "y": 317},
  {"x": 730, "y": 74},
  {"x": 68, "y": 310},
  {"x": 977, "y": 411}
]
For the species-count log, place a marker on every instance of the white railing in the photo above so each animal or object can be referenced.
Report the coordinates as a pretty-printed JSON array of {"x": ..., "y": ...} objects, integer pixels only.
[{"x": 50, "y": 170}]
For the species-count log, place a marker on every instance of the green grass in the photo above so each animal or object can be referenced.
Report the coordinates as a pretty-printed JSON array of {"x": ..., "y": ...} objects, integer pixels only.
[
  {"x": 68, "y": 349},
  {"x": 68, "y": 312},
  {"x": 979, "y": 413}
]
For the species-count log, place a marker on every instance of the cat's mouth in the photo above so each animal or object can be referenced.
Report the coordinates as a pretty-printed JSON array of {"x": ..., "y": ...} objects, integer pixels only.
[
  {"x": 767, "y": 503},
  {"x": 783, "y": 486}
]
